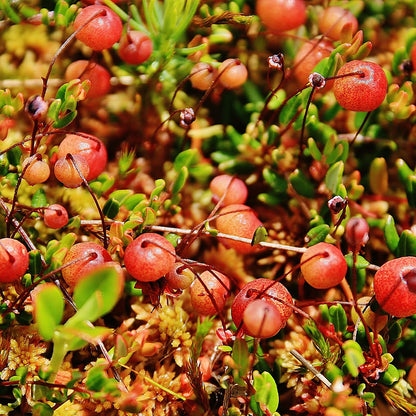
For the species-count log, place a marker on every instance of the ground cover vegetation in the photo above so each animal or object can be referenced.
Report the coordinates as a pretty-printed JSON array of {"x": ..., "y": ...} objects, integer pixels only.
[{"x": 207, "y": 207}]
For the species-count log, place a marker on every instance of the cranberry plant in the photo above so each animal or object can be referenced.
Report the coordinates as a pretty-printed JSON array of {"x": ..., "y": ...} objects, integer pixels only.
[{"x": 207, "y": 207}]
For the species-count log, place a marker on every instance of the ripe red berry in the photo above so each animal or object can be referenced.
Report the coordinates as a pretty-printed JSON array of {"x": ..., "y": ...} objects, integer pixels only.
[
  {"x": 233, "y": 73},
  {"x": 218, "y": 286},
  {"x": 236, "y": 192},
  {"x": 238, "y": 220},
  {"x": 98, "y": 76},
  {"x": 135, "y": 47},
  {"x": 268, "y": 291},
  {"x": 55, "y": 216},
  {"x": 66, "y": 172},
  {"x": 89, "y": 256},
  {"x": 203, "y": 75},
  {"x": 149, "y": 257},
  {"x": 323, "y": 266},
  {"x": 334, "y": 20},
  {"x": 262, "y": 319},
  {"x": 14, "y": 260},
  {"x": 37, "y": 171},
  {"x": 180, "y": 276},
  {"x": 308, "y": 56},
  {"x": 395, "y": 286},
  {"x": 103, "y": 31},
  {"x": 360, "y": 93},
  {"x": 90, "y": 148},
  {"x": 281, "y": 15}
]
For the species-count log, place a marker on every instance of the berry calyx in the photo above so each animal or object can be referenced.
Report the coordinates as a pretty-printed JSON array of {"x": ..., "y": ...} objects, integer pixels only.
[
  {"x": 281, "y": 15},
  {"x": 364, "y": 91},
  {"x": 90, "y": 148},
  {"x": 335, "y": 21},
  {"x": 395, "y": 286},
  {"x": 217, "y": 284},
  {"x": 100, "y": 32},
  {"x": 35, "y": 170},
  {"x": 238, "y": 220},
  {"x": 84, "y": 257},
  {"x": 66, "y": 170},
  {"x": 233, "y": 73},
  {"x": 55, "y": 216},
  {"x": 269, "y": 291},
  {"x": 323, "y": 266},
  {"x": 98, "y": 76},
  {"x": 149, "y": 257},
  {"x": 235, "y": 190},
  {"x": 135, "y": 47},
  {"x": 14, "y": 260}
]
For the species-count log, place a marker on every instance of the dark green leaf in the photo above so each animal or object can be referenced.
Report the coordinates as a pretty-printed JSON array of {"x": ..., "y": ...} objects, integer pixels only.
[
  {"x": 35, "y": 262},
  {"x": 277, "y": 182},
  {"x": 42, "y": 409},
  {"x": 301, "y": 184},
  {"x": 111, "y": 208},
  {"x": 65, "y": 120},
  {"x": 14, "y": 155},
  {"x": 290, "y": 109},
  {"x": 390, "y": 376}
]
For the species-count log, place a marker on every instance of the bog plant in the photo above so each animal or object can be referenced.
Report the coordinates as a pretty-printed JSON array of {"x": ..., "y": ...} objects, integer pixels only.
[{"x": 207, "y": 207}]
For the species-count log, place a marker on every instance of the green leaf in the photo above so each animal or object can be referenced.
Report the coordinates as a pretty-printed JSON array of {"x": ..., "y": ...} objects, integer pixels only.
[
  {"x": 301, "y": 184},
  {"x": 390, "y": 234},
  {"x": 39, "y": 198},
  {"x": 133, "y": 200},
  {"x": 82, "y": 334},
  {"x": 313, "y": 149},
  {"x": 186, "y": 158},
  {"x": 48, "y": 309},
  {"x": 277, "y": 182},
  {"x": 95, "y": 295},
  {"x": 121, "y": 195},
  {"x": 259, "y": 236},
  {"x": 241, "y": 357},
  {"x": 180, "y": 180},
  {"x": 65, "y": 120},
  {"x": 360, "y": 263},
  {"x": 407, "y": 244},
  {"x": 338, "y": 318},
  {"x": 333, "y": 177},
  {"x": 266, "y": 393},
  {"x": 290, "y": 109},
  {"x": 353, "y": 357},
  {"x": 390, "y": 376},
  {"x": 54, "y": 109},
  {"x": 317, "y": 234}
]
